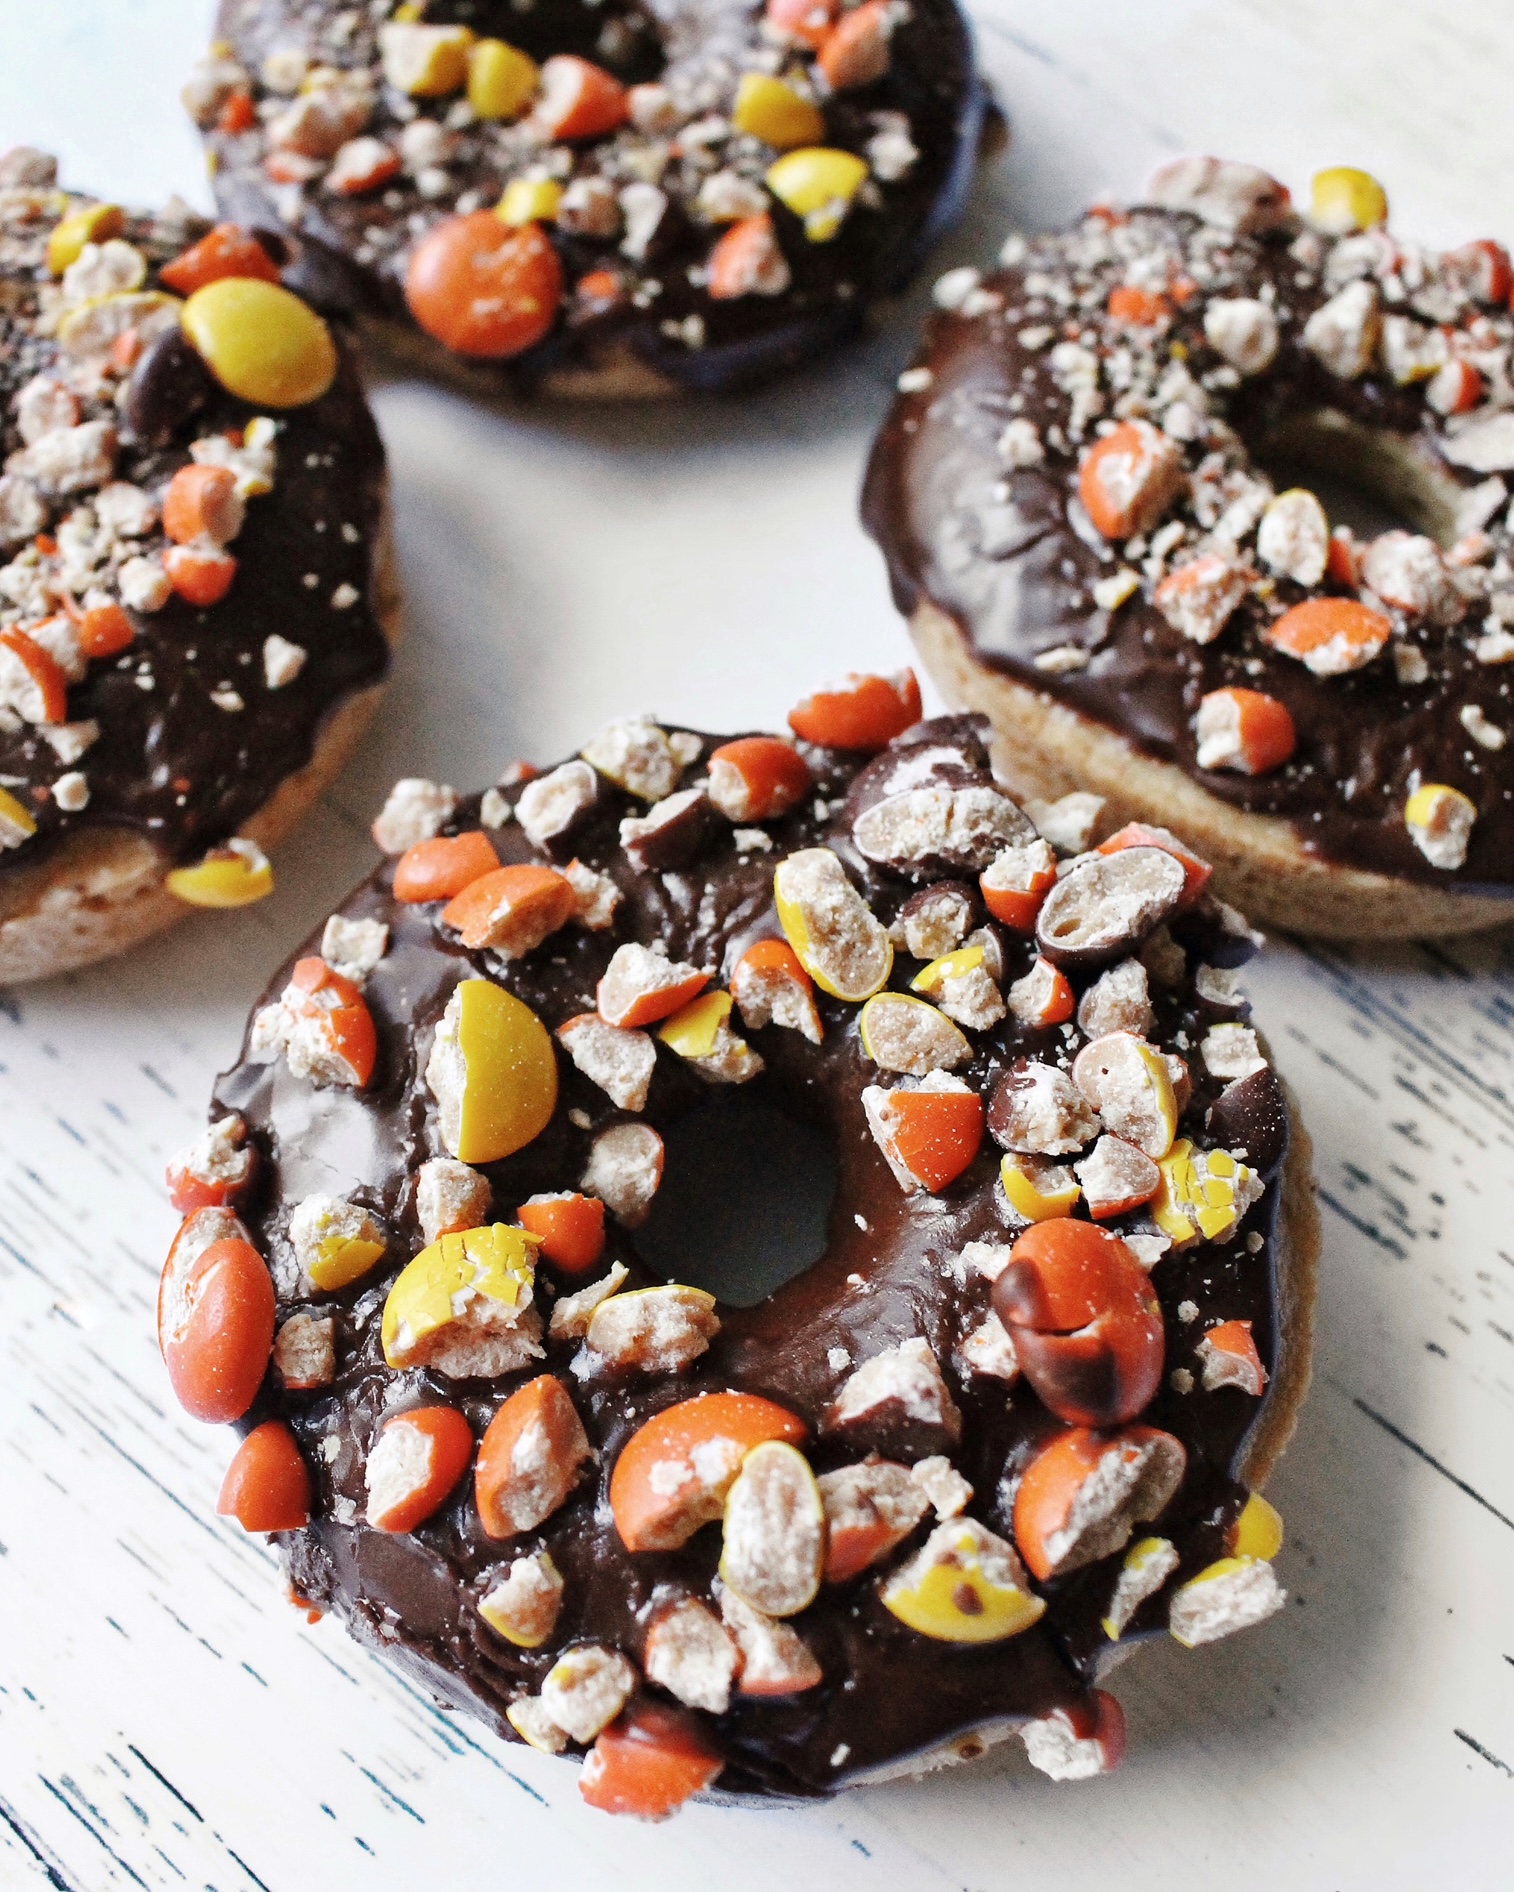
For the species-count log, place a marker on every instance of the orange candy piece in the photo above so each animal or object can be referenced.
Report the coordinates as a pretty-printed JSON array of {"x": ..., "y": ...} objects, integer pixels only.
[
  {"x": 648, "y": 1763},
  {"x": 238, "y": 114},
  {"x": 349, "y": 1023},
  {"x": 1263, "y": 736},
  {"x": 571, "y": 1227},
  {"x": 578, "y": 99},
  {"x": 739, "y": 261},
  {"x": 44, "y": 670},
  {"x": 1016, "y": 907},
  {"x": 540, "y": 1406},
  {"x": 450, "y": 1439},
  {"x": 215, "y": 1319},
  {"x": 809, "y": 21},
  {"x": 224, "y": 251},
  {"x": 267, "y": 1487},
  {"x": 1060, "y": 1003},
  {"x": 444, "y": 866},
  {"x": 485, "y": 288},
  {"x": 526, "y": 900},
  {"x": 1084, "y": 1320},
  {"x": 855, "y": 53},
  {"x": 661, "y": 1493},
  {"x": 201, "y": 577},
  {"x": 201, "y": 503},
  {"x": 936, "y": 1134},
  {"x": 1129, "y": 479},
  {"x": 1197, "y": 871},
  {"x": 1330, "y": 635},
  {"x": 757, "y": 778},
  {"x": 1053, "y": 1479},
  {"x": 861, "y": 712},
  {"x": 104, "y": 630},
  {"x": 1139, "y": 308}
]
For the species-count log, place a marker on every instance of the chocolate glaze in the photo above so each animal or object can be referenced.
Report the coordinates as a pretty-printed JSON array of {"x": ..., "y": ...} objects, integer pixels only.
[
  {"x": 1011, "y": 557},
  {"x": 888, "y": 1692},
  {"x": 931, "y": 79},
  {"x": 168, "y": 762}
]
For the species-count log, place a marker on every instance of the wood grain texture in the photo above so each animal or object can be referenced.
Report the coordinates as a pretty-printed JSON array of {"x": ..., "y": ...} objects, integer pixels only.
[{"x": 167, "y": 1720}]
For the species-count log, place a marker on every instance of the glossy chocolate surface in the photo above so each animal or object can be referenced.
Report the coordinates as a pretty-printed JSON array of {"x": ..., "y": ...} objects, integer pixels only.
[
  {"x": 169, "y": 762},
  {"x": 1011, "y": 556},
  {"x": 885, "y": 1276},
  {"x": 354, "y": 250}
]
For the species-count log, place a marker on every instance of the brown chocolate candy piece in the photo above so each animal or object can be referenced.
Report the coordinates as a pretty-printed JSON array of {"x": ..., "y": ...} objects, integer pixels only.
[
  {"x": 1104, "y": 908},
  {"x": 1252, "y": 1115},
  {"x": 168, "y": 387}
]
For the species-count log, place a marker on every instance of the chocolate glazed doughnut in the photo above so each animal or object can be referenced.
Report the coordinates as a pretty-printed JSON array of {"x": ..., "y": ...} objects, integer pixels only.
[
  {"x": 1011, "y": 1419},
  {"x": 605, "y": 200},
  {"x": 195, "y": 596},
  {"x": 1069, "y": 498}
]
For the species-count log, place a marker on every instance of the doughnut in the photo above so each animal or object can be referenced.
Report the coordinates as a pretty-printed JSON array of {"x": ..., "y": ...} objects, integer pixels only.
[
  {"x": 1008, "y": 1420},
  {"x": 1072, "y": 492},
  {"x": 196, "y": 604},
  {"x": 595, "y": 199}
]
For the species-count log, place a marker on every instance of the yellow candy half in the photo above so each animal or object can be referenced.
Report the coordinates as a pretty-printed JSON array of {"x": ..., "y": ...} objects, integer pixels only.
[
  {"x": 692, "y": 1031},
  {"x": 93, "y": 224},
  {"x": 959, "y": 1602},
  {"x": 227, "y": 877},
  {"x": 768, "y": 109},
  {"x": 1345, "y": 199},
  {"x": 502, "y": 80},
  {"x": 796, "y": 928},
  {"x": 498, "y": 1262},
  {"x": 260, "y": 342},
  {"x": 1199, "y": 1193},
  {"x": 948, "y": 966},
  {"x": 511, "y": 1086},
  {"x": 1026, "y": 1199},
  {"x": 1258, "y": 1530},
  {"x": 818, "y": 184},
  {"x": 340, "y": 1260},
  {"x": 17, "y": 823},
  {"x": 529, "y": 200}
]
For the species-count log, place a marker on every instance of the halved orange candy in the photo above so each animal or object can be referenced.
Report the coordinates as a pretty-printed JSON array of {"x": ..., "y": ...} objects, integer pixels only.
[
  {"x": 648, "y": 1763},
  {"x": 672, "y": 1476}
]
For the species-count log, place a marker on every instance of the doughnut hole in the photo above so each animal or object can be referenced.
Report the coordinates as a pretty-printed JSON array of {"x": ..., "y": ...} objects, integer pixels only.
[
  {"x": 1367, "y": 478},
  {"x": 745, "y": 1200}
]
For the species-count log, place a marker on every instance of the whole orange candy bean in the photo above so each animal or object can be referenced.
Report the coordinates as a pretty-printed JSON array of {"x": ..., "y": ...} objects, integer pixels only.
[
  {"x": 215, "y": 1318},
  {"x": 485, "y": 288},
  {"x": 266, "y": 1487},
  {"x": 439, "y": 868}
]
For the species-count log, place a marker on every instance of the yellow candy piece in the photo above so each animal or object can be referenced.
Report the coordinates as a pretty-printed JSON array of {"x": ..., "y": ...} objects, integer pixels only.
[
  {"x": 948, "y": 966},
  {"x": 508, "y": 1624},
  {"x": 817, "y": 184},
  {"x": 428, "y": 62},
  {"x": 502, "y": 80},
  {"x": 830, "y": 926},
  {"x": 16, "y": 821},
  {"x": 93, "y": 224},
  {"x": 260, "y": 342},
  {"x": 230, "y": 876},
  {"x": 1139, "y": 1559},
  {"x": 692, "y": 1032},
  {"x": 92, "y": 327},
  {"x": 962, "y": 1587},
  {"x": 1440, "y": 820},
  {"x": 1035, "y": 1189},
  {"x": 340, "y": 1260},
  {"x": 905, "y": 1034},
  {"x": 1258, "y": 1530},
  {"x": 1344, "y": 200},
  {"x": 497, "y": 1262},
  {"x": 529, "y": 200},
  {"x": 1203, "y": 1195},
  {"x": 510, "y": 1073},
  {"x": 768, "y": 109}
]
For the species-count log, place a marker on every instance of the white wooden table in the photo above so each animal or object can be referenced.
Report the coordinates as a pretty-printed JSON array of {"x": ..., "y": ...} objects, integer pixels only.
[{"x": 166, "y": 1719}]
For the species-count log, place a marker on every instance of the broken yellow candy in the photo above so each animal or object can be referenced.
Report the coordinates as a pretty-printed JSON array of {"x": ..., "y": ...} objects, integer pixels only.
[
  {"x": 964, "y": 1585},
  {"x": 1440, "y": 820},
  {"x": 95, "y": 326},
  {"x": 529, "y": 200},
  {"x": 1203, "y": 1195},
  {"x": 949, "y": 966},
  {"x": 93, "y": 224},
  {"x": 427, "y": 62},
  {"x": 1345, "y": 199},
  {"x": 1146, "y": 1568},
  {"x": 1037, "y": 1189},
  {"x": 817, "y": 184},
  {"x": 497, "y": 1262},
  {"x": 493, "y": 1071},
  {"x": 16, "y": 820},
  {"x": 1258, "y": 1530},
  {"x": 768, "y": 109},
  {"x": 340, "y": 1260},
  {"x": 502, "y": 80},
  {"x": 230, "y": 876},
  {"x": 693, "y": 1030},
  {"x": 830, "y": 926}
]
